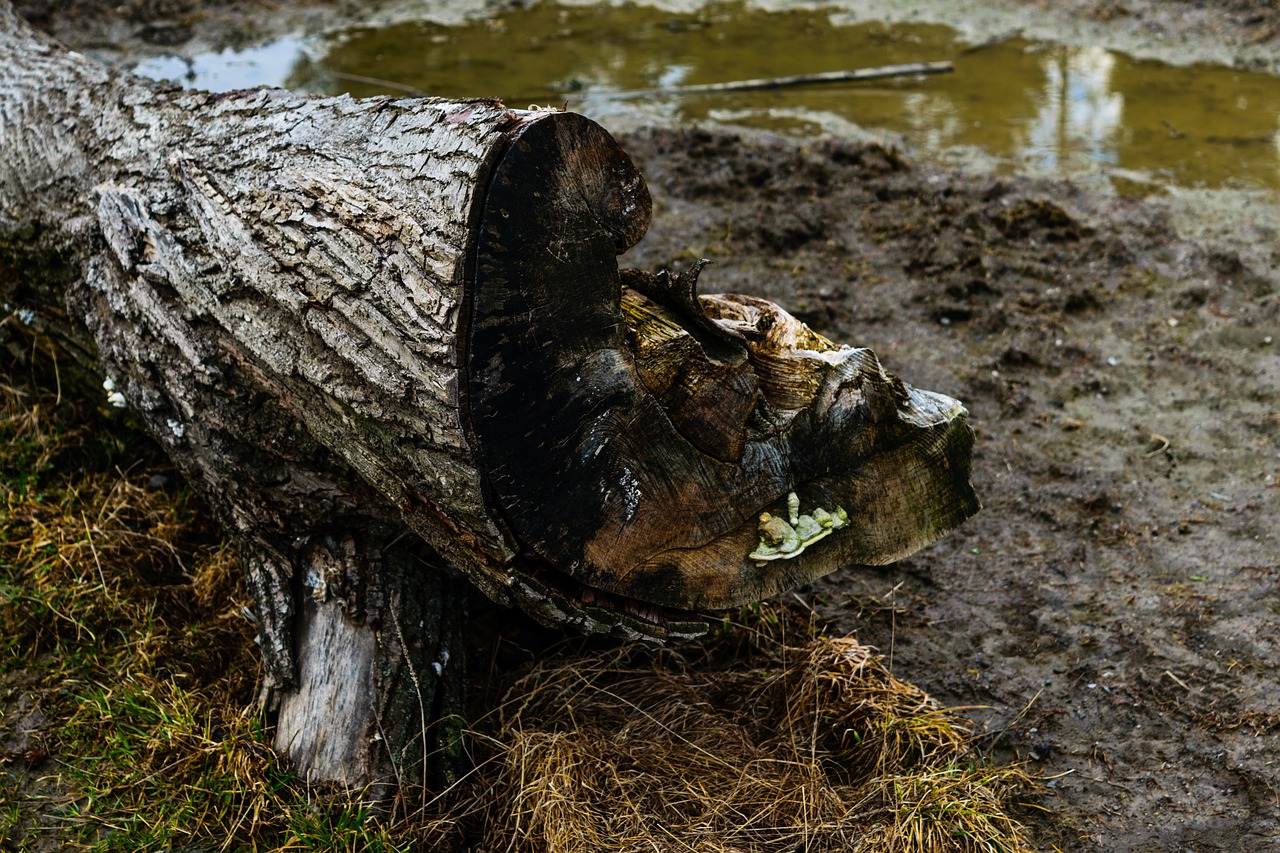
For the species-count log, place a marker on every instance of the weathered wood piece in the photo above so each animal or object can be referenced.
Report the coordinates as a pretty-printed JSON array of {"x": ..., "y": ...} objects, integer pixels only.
[
  {"x": 348, "y": 321},
  {"x": 619, "y": 461}
]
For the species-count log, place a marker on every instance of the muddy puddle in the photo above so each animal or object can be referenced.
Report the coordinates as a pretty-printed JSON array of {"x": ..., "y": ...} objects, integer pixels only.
[{"x": 1023, "y": 105}]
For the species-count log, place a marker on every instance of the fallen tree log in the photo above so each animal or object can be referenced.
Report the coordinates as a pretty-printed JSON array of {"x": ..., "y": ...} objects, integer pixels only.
[{"x": 349, "y": 321}]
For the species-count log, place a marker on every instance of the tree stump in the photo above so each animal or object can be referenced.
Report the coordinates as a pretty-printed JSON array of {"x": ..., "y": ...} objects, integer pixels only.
[{"x": 390, "y": 342}]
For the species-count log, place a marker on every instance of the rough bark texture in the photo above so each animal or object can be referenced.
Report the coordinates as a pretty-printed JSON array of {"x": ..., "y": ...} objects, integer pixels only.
[
  {"x": 346, "y": 320},
  {"x": 272, "y": 283}
]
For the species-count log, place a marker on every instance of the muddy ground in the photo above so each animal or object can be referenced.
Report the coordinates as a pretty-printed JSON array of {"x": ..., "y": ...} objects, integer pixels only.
[
  {"x": 1114, "y": 611},
  {"x": 1240, "y": 33}
]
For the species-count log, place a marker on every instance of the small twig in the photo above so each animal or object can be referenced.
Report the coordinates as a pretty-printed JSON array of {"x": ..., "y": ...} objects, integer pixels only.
[
  {"x": 1264, "y": 34},
  {"x": 1178, "y": 681},
  {"x": 417, "y": 686},
  {"x": 856, "y": 75},
  {"x": 1164, "y": 445},
  {"x": 378, "y": 81},
  {"x": 57, "y": 375}
]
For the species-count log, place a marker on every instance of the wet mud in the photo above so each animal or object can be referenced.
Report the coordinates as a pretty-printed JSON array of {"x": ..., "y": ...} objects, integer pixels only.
[
  {"x": 1112, "y": 614},
  {"x": 1244, "y": 34}
]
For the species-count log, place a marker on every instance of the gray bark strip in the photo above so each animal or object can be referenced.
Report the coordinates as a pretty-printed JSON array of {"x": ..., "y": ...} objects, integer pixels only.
[
  {"x": 376, "y": 696},
  {"x": 854, "y": 75}
]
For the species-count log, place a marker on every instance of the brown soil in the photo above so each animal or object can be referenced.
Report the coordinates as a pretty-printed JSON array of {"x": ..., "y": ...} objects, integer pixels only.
[{"x": 1113, "y": 610}]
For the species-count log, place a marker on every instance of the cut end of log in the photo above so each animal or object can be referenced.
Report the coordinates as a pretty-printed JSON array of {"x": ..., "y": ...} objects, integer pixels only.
[{"x": 633, "y": 432}]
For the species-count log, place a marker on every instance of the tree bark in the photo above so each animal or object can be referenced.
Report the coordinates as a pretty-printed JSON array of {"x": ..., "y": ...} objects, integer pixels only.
[{"x": 348, "y": 321}]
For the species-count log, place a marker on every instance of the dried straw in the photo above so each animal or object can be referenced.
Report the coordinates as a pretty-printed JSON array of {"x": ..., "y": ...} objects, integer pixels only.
[{"x": 814, "y": 746}]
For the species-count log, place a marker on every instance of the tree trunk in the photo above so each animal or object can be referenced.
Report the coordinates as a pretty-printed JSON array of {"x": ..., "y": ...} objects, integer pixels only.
[{"x": 348, "y": 320}]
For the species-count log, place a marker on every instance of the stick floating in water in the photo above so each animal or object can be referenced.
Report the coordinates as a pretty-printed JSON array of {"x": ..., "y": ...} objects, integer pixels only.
[{"x": 856, "y": 75}]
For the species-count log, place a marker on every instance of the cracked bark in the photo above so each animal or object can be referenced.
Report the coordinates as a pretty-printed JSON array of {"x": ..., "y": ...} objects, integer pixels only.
[{"x": 348, "y": 321}]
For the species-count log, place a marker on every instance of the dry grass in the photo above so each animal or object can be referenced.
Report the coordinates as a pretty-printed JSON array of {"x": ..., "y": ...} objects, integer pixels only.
[
  {"x": 124, "y": 652},
  {"x": 809, "y": 744}
]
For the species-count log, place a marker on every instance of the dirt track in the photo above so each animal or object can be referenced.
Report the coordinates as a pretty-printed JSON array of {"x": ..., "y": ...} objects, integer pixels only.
[{"x": 1114, "y": 607}]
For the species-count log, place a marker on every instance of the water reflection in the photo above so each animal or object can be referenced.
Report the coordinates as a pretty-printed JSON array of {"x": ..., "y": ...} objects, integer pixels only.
[
  {"x": 224, "y": 70},
  {"x": 1050, "y": 108},
  {"x": 1079, "y": 112}
]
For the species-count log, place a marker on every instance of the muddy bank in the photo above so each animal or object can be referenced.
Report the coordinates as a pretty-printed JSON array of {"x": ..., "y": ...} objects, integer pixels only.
[
  {"x": 1113, "y": 609},
  {"x": 1239, "y": 33}
]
